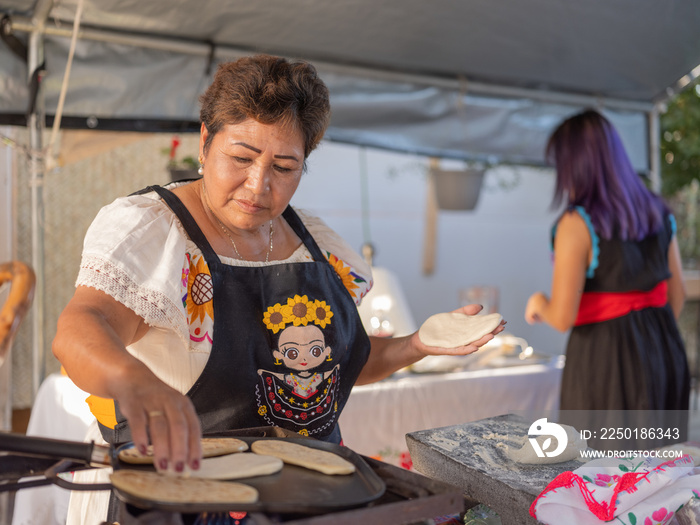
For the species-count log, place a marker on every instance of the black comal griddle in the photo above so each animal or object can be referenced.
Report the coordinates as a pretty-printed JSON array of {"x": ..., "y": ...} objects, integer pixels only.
[{"x": 376, "y": 493}]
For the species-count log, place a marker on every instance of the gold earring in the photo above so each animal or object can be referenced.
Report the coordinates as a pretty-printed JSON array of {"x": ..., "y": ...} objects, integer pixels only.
[{"x": 201, "y": 165}]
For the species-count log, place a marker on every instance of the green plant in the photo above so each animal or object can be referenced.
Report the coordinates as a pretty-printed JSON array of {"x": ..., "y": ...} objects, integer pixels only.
[
  {"x": 186, "y": 163},
  {"x": 680, "y": 168},
  {"x": 680, "y": 140},
  {"x": 686, "y": 208}
]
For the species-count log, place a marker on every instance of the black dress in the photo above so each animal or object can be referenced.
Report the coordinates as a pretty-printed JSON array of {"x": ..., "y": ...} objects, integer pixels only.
[{"x": 636, "y": 362}]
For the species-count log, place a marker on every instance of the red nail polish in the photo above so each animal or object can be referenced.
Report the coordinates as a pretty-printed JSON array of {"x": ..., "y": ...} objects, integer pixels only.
[
  {"x": 163, "y": 463},
  {"x": 195, "y": 464},
  {"x": 179, "y": 466}
]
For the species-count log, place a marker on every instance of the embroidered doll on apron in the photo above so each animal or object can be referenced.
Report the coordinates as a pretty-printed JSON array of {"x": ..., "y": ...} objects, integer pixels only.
[{"x": 305, "y": 394}]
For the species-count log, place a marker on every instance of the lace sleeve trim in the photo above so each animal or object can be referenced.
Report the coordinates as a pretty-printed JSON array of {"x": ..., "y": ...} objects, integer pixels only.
[{"x": 154, "y": 307}]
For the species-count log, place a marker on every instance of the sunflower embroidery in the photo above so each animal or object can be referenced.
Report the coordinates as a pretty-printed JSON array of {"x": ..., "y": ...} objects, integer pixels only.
[
  {"x": 200, "y": 291},
  {"x": 274, "y": 318},
  {"x": 298, "y": 310},
  {"x": 322, "y": 313}
]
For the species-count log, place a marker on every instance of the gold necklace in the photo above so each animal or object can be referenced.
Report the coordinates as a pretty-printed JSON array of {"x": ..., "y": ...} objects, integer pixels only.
[{"x": 225, "y": 230}]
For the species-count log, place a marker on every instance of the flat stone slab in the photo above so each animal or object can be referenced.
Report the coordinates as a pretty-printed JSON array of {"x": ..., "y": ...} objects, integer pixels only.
[{"x": 472, "y": 456}]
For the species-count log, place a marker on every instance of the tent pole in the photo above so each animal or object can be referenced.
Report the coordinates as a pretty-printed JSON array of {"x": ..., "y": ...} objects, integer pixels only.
[
  {"x": 654, "y": 128},
  {"x": 35, "y": 125}
]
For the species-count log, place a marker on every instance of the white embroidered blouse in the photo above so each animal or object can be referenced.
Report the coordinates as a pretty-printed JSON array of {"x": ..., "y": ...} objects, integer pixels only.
[{"x": 136, "y": 251}]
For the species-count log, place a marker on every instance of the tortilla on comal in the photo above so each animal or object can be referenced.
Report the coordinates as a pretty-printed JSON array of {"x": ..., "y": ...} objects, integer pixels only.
[
  {"x": 170, "y": 489},
  {"x": 303, "y": 456}
]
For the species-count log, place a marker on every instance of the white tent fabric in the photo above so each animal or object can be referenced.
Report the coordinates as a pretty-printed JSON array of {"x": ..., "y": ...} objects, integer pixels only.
[{"x": 456, "y": 78}]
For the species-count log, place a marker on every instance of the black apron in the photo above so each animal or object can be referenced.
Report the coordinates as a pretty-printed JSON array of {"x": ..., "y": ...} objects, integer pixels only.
[{"x": 249, "y": 380}]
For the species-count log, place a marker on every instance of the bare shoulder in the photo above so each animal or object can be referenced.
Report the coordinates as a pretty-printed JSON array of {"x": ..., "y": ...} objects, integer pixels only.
[
  {"x": 191, "y": 196},
  {"x": 572, "y": 224},
  {"x": 572, "y": 232},
  {"x": 572, "y": 219},
  {"x": 188, "y": 193}
]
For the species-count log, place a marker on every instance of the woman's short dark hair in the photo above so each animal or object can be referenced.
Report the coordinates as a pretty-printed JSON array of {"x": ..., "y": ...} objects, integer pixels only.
[{"x": 271, "y": 90}]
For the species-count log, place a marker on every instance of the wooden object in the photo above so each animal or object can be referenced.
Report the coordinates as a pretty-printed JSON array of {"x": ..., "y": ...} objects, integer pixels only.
[
  {"x": 22, "y": 282},
  {"x": 692, "y": 285},
  {"x": 431, "y": 214}
]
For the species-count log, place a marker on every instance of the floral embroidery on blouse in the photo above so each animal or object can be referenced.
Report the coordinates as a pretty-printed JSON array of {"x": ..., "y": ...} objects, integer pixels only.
[
  {"x": 201, "y": 291},
  {"x": 350, "y": 279},
  {"x": 199, "y": 299}
]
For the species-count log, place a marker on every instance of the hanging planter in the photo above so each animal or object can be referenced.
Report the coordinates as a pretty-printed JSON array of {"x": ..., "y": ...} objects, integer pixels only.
[{"x": 458, "y": 189}]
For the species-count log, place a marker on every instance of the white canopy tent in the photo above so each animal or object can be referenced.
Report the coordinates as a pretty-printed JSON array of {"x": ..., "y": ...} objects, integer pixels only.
[
  {"x": 465, "y": 79},
  {"x": 452, "y": 78}
]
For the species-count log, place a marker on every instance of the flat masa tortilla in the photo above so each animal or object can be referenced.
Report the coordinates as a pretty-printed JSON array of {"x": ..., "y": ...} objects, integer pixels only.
[
  {"x": 211, "y": 447},
  {"x": 300, "y": 455},
  {"x": 170, "y": 489}
]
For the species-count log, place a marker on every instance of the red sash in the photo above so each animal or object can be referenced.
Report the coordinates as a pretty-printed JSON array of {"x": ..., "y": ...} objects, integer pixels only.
[{"x": 602, "y": 306}]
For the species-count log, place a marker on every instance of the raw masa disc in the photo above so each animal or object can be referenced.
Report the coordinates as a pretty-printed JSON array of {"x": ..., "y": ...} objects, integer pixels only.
[
  {"x": 453, "y": 329},
  {"x": 237, "y": 466}
]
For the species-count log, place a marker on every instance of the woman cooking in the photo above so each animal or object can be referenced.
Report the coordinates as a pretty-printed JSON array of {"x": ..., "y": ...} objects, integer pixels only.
[{"x": 185, "y": 295}]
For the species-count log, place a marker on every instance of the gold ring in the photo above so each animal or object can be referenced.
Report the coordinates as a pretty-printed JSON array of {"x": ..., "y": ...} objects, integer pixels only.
[{"x": 156, "y": 413}]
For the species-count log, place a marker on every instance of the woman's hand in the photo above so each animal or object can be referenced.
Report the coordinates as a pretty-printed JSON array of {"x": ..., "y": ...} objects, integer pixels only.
[
  {"x": 391, "y": 354},
  {"x": 93, "y": 333},
  {"x": 471, "y": 309},
  {"x": 535, "y": 305},
  {"x": 162, "y": 416}
]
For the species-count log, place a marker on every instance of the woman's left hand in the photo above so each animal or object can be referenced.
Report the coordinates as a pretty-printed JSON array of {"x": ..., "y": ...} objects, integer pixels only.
[
  {"x": 471, "y": 309},
  {"x": 391, "y": 354}
]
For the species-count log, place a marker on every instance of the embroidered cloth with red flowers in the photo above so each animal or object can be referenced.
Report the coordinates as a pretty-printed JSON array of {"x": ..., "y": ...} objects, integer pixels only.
[{"x": 631, "y": 491}]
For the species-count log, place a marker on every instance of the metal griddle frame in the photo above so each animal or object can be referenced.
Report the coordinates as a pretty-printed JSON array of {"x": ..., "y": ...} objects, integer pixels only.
[{"x": 409, "y": 497}]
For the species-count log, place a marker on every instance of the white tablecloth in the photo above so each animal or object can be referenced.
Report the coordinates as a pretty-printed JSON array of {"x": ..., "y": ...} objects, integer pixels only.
[
  {"x": 59, "y": 412},
  {"x": 377, "y": 417}
]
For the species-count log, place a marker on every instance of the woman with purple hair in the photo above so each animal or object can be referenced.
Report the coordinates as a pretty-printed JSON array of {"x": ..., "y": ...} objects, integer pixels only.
[{"x": 617, "y": 284}]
